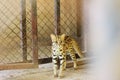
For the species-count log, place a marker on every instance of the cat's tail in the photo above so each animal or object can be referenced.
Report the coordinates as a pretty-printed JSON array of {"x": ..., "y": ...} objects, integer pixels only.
[{"x": 77, "y": 49}]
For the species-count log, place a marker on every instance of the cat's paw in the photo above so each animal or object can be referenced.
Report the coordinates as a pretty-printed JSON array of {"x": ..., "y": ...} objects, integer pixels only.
[
  {"x": 55, "y": 76},
  {"x": 64, "y": 69},
  {"x": 82, "y": 56},
  {"x": 61, "y": 76},
  {"x": 75, "y": 68}
]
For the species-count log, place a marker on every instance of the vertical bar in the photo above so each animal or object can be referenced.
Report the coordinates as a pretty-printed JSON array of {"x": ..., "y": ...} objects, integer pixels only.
[
  {"x": 23, "y": 30},
  {"x": 57, "y": 17},
  {"x": 34, "y": 31},
  {"x": 80, "y": 29},
  {"x": 86, "y": 15},
  {"x": 79, "y": 17}
]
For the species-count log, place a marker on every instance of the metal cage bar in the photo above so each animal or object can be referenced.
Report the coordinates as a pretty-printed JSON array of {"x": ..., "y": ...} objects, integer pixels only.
[
  {"x": 34, "y": 31},
  {"x": 57, "y": 16},
  {"x": 23, "y": 30}
]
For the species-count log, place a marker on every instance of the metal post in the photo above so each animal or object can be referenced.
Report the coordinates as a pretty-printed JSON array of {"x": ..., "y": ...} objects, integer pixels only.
[
  {"x": 23, "y": 30},
  {"x": 57, "y": 17},
  {"x": 79, "y": 17},
  {"x": 80, "y": 29},
  {"x": 34, "y": 31}
]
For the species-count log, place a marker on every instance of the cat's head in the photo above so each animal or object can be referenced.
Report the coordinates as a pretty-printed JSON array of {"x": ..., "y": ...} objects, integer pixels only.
[{"x": 59, "y": 39}]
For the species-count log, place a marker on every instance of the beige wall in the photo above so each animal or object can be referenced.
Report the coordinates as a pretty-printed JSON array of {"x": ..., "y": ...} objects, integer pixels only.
[
  {"x": 10, "y": 24},
  {"x": 10, "y": 17},
  {"x": 10, "y": 10}
]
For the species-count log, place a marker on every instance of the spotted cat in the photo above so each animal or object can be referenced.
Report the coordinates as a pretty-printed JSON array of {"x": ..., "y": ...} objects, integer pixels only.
[{"x": 61, "y": 45}]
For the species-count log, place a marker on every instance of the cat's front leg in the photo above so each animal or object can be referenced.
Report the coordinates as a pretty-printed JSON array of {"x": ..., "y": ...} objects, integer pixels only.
[
  {"x": 62, "y": 66},
  {"x": 55, "y": 65}
]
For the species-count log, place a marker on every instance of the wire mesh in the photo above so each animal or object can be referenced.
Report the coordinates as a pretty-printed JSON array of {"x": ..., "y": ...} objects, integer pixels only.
[
  {"x": 46, "y": 23},
  {"x": 45, "y": 26},
  {"x": 68, "y": 17},
  {"x": 10, "y": 32},
  {"x": 10, "y": 38}
]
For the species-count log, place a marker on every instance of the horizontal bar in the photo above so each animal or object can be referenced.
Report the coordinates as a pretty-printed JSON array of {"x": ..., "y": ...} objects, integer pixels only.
[
  {"x": 18, "y": 66},
  {"x": 79, "y": 62}
]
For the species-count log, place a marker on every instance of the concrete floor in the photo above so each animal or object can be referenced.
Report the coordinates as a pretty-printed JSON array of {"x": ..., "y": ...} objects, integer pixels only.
[{"x": 45, "y": 72}]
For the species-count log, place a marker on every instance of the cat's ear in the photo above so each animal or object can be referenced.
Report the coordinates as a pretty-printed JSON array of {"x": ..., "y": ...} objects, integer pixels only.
[
  {"x": 53, "y": 37},
  {"x": 63, "y": 37}
]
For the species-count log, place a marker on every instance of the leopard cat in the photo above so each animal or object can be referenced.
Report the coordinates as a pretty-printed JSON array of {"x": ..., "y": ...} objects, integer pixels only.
[{"x": 61, "y": 45}]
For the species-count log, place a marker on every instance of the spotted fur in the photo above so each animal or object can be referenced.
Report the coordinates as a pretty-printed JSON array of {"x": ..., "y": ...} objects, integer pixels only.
[{"x": 61, "y": 45}]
